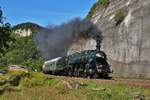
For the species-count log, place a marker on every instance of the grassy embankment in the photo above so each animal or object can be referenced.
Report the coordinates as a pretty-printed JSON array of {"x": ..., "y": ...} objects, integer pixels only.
[{"x": 37, "y": 86}]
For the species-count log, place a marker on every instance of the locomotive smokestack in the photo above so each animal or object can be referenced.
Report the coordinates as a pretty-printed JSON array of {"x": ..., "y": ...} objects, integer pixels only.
[{"x": 98, "y": 41}]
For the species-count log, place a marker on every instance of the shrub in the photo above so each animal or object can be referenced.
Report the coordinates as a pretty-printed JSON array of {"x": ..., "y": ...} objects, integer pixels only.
[
  {"x": 119, "y": 16},
  {"x": 22, "y": 52},
  {"x": 14, "y": 80},
  {"x": 104, "y": 2},
  {"x": 1, "y": 90},
  {"x": 34, "y": 64},
  {"x": 2, "y": 82}
]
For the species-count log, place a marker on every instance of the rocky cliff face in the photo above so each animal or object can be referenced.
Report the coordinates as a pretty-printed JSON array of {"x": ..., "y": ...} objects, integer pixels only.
[
  {"x": 23, "y": 32},
  {"x": 26, "y": 29},
  {"x": 127, "y": 45}
]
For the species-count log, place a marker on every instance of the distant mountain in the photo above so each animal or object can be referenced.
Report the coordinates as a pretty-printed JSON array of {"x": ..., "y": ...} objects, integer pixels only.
[
  {"x": 26, "y": 29},
  {"x": 27, "y": 25}
]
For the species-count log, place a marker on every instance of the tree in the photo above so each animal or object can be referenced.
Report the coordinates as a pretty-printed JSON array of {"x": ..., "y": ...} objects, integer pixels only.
[
  {"x": 1, "y": 16},
  {"x": 17, "y": 50},
  {"x": 23, "y": 52},
  {"x": 5, "y": 34}
]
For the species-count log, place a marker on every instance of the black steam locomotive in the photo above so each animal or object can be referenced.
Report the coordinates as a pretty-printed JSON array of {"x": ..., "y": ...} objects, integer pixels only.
[{"x": 88, "y": 63}]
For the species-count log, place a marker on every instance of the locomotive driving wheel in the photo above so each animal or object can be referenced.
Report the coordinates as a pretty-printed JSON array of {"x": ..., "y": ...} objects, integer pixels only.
[
  {"x": 69, "y": 72},
  {"x": 96, "y": 75}
]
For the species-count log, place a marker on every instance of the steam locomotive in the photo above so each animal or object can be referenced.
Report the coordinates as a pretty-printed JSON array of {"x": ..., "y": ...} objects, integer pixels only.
[{"x": 88, "y": 63}]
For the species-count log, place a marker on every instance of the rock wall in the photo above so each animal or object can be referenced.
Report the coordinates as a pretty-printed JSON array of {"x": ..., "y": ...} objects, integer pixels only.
[{"x": 127, "y": 45}]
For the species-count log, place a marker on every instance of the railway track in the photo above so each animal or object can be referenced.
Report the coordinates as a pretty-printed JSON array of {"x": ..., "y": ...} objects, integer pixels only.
[{"x": 143, "y": 83}]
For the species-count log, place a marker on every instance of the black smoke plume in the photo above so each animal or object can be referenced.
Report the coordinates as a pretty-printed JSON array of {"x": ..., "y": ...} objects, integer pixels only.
[{"x": 55, "y": 41}]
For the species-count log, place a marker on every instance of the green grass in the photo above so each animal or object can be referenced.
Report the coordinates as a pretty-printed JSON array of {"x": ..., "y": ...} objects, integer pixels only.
[{"x": 37, "y": 86}]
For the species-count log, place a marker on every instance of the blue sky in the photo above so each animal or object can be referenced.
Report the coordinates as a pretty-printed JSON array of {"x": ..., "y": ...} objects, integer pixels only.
[{"x": 44, "y": 12}]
